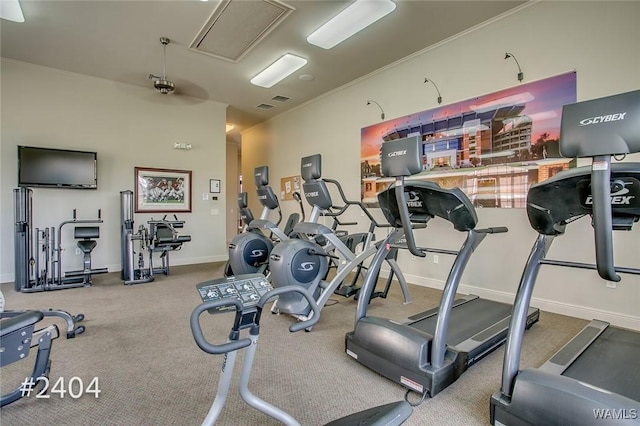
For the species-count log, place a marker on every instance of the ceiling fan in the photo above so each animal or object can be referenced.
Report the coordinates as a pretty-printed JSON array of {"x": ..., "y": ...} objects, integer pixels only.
[{"x": 160, "y": 83}]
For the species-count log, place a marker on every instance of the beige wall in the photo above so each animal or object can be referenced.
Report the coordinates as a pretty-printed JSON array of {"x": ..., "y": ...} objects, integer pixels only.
[
  {"x": 128, "y": 126},
  {"x": 232, "y": 186},
  {"x": 597, "y": 39}
]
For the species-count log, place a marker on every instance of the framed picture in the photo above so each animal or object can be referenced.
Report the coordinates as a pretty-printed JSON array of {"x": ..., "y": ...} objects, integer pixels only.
[
  {"x": 162, "y": 190},
  {"x": 214, "y": 186}
]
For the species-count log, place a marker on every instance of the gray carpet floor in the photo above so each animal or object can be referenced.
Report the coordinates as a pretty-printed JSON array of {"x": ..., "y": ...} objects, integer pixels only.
[{"x": 138, "y": 344}]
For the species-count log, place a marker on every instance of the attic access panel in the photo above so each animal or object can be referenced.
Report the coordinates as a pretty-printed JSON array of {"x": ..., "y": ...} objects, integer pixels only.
[{"x": 237, "y": 26}]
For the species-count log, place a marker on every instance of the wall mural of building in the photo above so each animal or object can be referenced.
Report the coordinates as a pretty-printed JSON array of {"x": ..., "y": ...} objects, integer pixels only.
[{"x": 494, "y": 147}]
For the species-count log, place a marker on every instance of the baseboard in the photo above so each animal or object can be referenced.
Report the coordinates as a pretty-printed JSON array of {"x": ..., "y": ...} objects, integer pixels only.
[
  {"x": 9, "y": 278},
  {"x": 620, "y": 320},
  {"x": 196, "y": 260}
]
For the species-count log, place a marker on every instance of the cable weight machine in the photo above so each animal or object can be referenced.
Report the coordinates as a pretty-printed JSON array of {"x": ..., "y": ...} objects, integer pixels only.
[
  {"x": 161, "y": 237},
  {"x": 29, "y": 277},
  {"x": 42, "y": 270}
]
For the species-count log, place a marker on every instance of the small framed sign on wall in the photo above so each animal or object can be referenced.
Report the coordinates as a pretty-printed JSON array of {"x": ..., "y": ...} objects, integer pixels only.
[{"x": 214, "y": 186}]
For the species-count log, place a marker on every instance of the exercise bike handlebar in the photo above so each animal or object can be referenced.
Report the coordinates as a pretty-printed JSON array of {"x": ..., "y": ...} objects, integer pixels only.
[
  {"x": 198, "y": 335},
  {"x": 315, "y": 311}
]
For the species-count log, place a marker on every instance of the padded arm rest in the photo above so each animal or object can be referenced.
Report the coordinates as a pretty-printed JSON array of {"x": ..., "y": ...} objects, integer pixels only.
[
  {"x": 18, "y": 322},
  {"x": 171, "y": 240},
  {"x": 86, "y": 232}
]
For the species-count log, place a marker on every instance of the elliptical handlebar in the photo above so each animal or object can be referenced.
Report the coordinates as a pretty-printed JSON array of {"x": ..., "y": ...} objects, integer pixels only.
[
  {"x": 198, "y": 335},
  {"x": 296, "y": 196},
  {"x": 360, "y": 204},
  {"x": 493, "y": 230},
  {"x": 315, "y": 311}
]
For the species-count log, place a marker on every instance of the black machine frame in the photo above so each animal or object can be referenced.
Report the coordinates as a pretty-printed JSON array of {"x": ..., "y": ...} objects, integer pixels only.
[
  {"x": 598, "y": 370},
  {"x": 434, "y": 348}
]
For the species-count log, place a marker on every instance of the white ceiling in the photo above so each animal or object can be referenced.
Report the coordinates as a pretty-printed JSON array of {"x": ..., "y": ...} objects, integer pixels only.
[{"x": 119, "y": 41}]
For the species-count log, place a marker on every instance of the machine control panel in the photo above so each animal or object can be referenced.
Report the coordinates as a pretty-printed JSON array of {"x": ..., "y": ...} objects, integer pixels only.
[{"x": 248, "y": 288}]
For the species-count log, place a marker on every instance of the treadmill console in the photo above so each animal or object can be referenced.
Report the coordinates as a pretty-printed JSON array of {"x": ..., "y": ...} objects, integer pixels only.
[{"x": 605, "y": 126}]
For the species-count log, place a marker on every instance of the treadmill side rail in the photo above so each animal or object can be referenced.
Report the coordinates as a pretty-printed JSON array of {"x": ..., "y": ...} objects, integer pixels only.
[
  {"x": 562, "y": 359},
  {"x": 543, "y": 398}
]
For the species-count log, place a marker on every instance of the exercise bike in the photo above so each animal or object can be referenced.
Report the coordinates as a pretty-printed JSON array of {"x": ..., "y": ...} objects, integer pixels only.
[{"x": 246, "y": 296}]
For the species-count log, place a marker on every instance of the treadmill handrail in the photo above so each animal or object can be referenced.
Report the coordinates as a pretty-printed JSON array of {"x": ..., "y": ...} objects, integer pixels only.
[
  {"x": 518, "y": 322},
  {"x": 371, "y": 277},
  {"x": 602, "y": 222},
  {"x": 401, "y": 201},
  {"x": 439, "y": 343}
]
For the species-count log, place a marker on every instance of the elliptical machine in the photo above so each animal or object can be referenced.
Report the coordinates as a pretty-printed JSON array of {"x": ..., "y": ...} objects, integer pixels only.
[
  {"x": 249, "y": 252},
  {"x": 246, "y": 296},
  {"x": 304, "y": 261}
]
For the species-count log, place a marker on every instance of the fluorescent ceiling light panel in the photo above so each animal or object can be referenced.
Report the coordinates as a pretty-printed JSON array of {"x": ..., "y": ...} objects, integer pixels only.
[
  {"x": 11, "y": 10},
  {"x": 359, "y": 15},
  {"x": 280, "y": 69}
]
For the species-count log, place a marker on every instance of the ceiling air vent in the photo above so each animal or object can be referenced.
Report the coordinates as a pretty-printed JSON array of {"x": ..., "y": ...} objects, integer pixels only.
[
  {"x": 237, "y": 26},
  {"x": 280, "y": 98},
  {"x": 264, "y": 106}
]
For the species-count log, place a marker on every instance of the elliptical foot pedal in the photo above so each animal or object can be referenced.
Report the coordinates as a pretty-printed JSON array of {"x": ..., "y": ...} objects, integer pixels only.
[{"x": 395, "y": 413}]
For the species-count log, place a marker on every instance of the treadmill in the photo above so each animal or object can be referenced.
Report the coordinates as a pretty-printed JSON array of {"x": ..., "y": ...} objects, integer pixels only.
[
  {"x": 432, "y": 349},
  {"x": 595, "y": 377}
]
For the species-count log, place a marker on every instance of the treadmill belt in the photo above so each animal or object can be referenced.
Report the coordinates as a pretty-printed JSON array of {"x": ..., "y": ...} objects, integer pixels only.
[
  {"x": 611, "y": 362},
  {"x": 467, "y": 319}
]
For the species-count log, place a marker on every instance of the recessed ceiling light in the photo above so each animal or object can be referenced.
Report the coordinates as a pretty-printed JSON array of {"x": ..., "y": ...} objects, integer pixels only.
[
  {"x": 11, "y": 10},
  {"x": 280, "y": 69},
  {"x": 357, "y": 16},
  {"x": 306, "y": 77}
]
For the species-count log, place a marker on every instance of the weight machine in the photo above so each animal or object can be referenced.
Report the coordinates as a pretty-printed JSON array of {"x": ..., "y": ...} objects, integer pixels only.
[
  {"x": 161, "y": 237},
  {"x": 29, "y": 277}
]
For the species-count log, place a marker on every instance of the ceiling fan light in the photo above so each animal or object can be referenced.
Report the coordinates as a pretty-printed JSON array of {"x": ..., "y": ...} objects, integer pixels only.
[
  {"x": 279, "y": 70},
  {"x": 11, "y": 11},
  {"x": 357, "y": 16},
  {"x": 164, "y": 86}
]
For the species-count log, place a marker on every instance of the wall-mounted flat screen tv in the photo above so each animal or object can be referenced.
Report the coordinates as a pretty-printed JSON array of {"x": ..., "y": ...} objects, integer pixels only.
[{"x": 57, "y": 168}]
